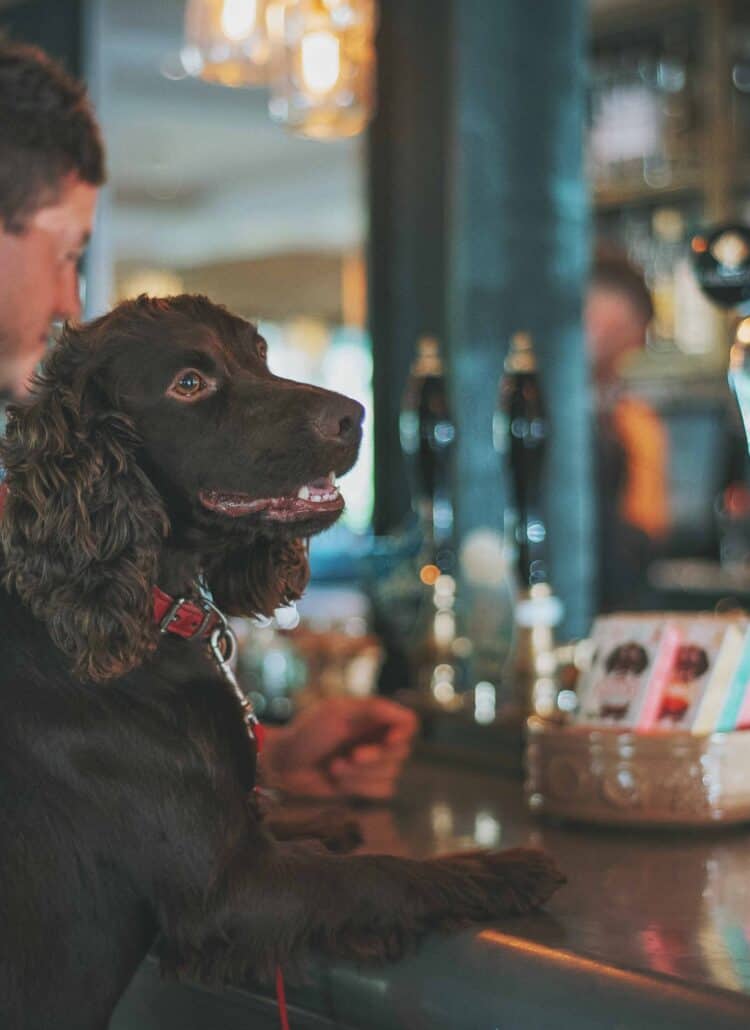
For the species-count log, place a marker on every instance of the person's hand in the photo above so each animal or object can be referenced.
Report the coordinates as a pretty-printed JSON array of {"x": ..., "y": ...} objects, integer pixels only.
[{"x": 341, "y": 747}]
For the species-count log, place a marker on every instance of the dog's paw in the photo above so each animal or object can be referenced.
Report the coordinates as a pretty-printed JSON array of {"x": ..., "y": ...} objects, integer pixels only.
[
  {"x": 527, "y": 878},
  {"x": 513, "y": 881}
]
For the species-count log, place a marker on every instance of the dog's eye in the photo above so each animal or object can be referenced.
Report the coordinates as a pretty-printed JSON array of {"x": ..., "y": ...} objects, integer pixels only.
[
  {"x": 188, "y": 383},
  {"x": 262, "y": 350}
]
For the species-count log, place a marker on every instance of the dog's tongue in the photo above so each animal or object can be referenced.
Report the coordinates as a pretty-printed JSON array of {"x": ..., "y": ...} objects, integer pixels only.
[
  {"x": 319, "y": 494},
  {"x": 233, "y": 504}
]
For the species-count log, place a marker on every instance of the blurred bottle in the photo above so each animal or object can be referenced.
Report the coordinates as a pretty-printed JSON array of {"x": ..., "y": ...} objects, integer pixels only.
[
  {"x": 668, "y": 247},
  {"x": 675, "y": 82},
  {"x": 721, "y": 262},
  {"x": 436, "y": 651},
  {"x": 733, "y": 522},
  {"x": 427, "y": 437},
  {"x": 520, "y": 435},
  {"x": 699, "y": 326},
  {"x": 488, "y": 591}
]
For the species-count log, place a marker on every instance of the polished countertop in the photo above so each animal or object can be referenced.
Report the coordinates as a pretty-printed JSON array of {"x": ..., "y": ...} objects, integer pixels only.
[{"x": 652, "y": 929}]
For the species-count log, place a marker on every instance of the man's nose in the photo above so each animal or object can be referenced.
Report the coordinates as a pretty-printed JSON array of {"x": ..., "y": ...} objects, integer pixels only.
[{"x": 69, "y": 294}]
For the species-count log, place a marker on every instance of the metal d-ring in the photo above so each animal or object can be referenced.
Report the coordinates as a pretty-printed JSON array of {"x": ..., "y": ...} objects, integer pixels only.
[{"x": 223, "y": 646}]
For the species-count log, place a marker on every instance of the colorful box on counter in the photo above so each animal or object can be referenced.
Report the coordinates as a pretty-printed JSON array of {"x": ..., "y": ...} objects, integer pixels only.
[
  {"x": 661, "y": 672},
  {"x": 632, "y": 658},
  {"x": 735, "y": 712}
]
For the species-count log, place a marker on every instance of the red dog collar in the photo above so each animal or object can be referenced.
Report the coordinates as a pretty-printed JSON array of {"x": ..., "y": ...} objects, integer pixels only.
[{"x": 185, "y": 618}]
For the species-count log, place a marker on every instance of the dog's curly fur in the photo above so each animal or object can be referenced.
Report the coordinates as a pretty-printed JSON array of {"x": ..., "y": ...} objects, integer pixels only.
[{"x": 126, "y": 775}]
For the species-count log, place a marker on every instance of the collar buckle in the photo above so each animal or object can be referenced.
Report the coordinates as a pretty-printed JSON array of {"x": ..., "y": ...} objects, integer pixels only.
[{"x": 172, "y": 614}]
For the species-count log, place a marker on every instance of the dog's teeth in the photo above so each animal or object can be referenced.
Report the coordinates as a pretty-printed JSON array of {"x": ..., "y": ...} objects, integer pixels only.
[
  {"x": 318, "y": 496},
  {"x": 332, "y": 478}
]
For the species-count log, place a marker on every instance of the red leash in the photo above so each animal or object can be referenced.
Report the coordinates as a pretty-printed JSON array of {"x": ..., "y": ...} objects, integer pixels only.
[{"x": 281, "y": 999}]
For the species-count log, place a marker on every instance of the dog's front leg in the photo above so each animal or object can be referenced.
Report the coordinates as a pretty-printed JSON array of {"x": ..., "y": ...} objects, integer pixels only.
[
  {"x": 299, "y": 900},
  {"x": 333, "y": 827}
]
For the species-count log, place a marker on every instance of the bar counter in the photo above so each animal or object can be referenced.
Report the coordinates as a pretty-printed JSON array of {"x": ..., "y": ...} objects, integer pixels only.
[{"x": 652, "y": 930}]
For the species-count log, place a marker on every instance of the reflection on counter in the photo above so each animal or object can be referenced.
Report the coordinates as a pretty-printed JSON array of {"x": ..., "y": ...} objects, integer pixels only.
[
  {"x": 652, "y": 930},
  {"x": 674, "y": 903}
]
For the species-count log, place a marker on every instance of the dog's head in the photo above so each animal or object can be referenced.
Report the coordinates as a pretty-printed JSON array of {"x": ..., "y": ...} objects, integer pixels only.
[{"x": 156, "y": 429}]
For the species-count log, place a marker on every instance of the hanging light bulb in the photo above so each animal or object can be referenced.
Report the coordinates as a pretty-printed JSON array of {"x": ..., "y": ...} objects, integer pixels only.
[
  {"x": 231, "y": 41},
  {"x": 323, "y": 75},
  {"x": 320, "y": 56},
  {"x": 238, "y": 19}
]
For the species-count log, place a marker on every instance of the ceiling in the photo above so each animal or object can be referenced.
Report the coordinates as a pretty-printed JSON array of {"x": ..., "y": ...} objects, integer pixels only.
[
  {"x": 198, "y": 173},
  {"x": 203, "y": 183}
]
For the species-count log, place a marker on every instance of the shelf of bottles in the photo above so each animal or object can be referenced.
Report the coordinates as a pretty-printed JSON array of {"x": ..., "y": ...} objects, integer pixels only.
[
  {"x": 643, "y": 114},
  {"x": 647, "y": 158}
]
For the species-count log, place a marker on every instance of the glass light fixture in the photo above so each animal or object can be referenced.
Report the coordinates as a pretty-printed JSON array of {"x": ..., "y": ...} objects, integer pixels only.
[
  {"x": 231, "y": 41},
  {"x": 323, "y": 76}
]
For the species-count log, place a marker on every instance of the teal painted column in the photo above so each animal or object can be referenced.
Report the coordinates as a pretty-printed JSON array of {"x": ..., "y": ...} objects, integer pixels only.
[
  {"x": 517, "y": 259},
  {"x": 407, "y": 164}
]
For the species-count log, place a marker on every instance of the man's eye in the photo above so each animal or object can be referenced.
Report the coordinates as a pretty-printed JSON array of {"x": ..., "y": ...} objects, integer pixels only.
[{"x": 188, "y": 384}]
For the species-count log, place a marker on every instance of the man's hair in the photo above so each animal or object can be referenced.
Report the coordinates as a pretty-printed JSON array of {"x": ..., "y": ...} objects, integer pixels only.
[
  {"x": 47, "y": 131},
  {"x": 612, "y": 270}
]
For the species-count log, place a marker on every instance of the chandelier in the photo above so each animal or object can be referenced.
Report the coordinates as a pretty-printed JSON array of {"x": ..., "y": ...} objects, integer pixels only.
[
  {"x": 229, "y": 40},
  {"x": 318, "y": 56}
]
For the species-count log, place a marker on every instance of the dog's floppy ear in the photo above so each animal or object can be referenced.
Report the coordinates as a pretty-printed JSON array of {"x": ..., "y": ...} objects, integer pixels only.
[
  {"x": 82, "y": 524},
  {"x": 258, "y": 579}
]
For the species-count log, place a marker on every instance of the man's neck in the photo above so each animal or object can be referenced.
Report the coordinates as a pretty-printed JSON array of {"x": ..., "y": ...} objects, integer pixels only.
[{"x": 13, "y": 380}]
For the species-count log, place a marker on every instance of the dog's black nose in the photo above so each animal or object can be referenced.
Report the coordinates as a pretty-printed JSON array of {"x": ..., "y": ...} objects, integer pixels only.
[{"x": 340, "y": 420}]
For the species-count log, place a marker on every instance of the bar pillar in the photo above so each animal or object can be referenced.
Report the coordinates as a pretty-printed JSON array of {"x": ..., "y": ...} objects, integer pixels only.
[{"x": 518, "y": 258}]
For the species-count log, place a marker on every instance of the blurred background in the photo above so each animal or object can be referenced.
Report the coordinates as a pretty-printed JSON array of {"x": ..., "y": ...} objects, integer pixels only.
[{"x": 509, "y": 142}]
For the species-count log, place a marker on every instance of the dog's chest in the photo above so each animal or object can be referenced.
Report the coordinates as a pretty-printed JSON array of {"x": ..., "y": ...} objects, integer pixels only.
[{"x": 206, "y": 711}]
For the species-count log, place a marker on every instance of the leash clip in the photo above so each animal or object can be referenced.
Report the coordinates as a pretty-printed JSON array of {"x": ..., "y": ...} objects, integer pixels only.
[{"x": 223, "y": 646}]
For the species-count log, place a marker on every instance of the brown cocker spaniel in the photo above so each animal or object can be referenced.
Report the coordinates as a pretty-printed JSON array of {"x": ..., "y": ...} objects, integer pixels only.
[{"x": 157, "y": 450}]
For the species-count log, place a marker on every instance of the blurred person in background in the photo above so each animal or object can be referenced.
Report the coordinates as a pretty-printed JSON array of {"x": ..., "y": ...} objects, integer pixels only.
[
  {"x": 631, "y": 451},
  {"x": 51, "y": 165}
]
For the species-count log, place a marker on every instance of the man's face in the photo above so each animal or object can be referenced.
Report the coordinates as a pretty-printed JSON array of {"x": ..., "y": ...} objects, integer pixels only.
[
  {"x": 39, "y": 278},
  {"x": 614, "y": 328}
]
